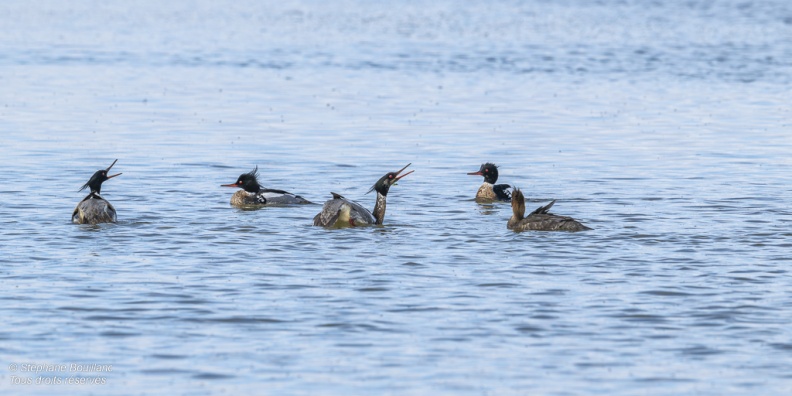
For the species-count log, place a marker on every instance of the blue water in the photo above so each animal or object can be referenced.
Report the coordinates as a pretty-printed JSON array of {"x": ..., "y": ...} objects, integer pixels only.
[{"x": 665, "y": 126}]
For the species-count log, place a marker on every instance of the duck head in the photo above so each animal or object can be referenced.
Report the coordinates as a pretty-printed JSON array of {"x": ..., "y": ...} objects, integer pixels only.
[{"x": 99, "y": 177}]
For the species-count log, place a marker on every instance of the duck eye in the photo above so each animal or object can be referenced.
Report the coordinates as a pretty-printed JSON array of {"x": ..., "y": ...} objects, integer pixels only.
[
  {"x": 390, "y": 176},
  {"x": 486, "y": 170}
]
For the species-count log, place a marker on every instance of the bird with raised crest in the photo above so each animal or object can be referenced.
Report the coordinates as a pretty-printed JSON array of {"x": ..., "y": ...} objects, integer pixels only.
[
  {"x": 94, "y": 209},
  {"x": 253, "y": 194},
  {"x": 341, "y": 212}
]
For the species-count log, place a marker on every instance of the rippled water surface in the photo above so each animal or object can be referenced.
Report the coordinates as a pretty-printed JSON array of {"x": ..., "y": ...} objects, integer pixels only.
[{"x": 665, "y": 126}]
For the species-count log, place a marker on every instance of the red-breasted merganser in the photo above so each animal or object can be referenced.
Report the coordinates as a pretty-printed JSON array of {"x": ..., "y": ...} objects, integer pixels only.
[
  {"x": 252, "y": 193},
  {"x": 489, "y": 191},
  {"x": 94, "y": 209},
  {"x": 341, "y": 212},
  {"x": 539, "y": 219}
]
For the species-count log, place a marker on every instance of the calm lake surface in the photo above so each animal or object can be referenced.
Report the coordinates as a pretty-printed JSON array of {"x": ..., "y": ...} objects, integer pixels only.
[{"x": 664, "y": 125}]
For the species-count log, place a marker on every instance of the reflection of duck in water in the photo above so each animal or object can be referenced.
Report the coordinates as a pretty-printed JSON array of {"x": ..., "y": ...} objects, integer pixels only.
[
  {"x": 489, "y": 191},
  {"x": 94, "y": 209},
  {"x": 340, "y": 211},
  {"x": 539, "y": 219},
  {"x": 252, "y": 193}
]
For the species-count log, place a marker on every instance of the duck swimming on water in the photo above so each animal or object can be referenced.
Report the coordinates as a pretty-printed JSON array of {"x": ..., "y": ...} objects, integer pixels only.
[
  {"x": 94, "y": 209},
  {"x": 341, "y": 212},
  {"x": 489, "y": 191},
  {"x": 252, "y": 193},
  {"x": 540, "y": 219}
]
